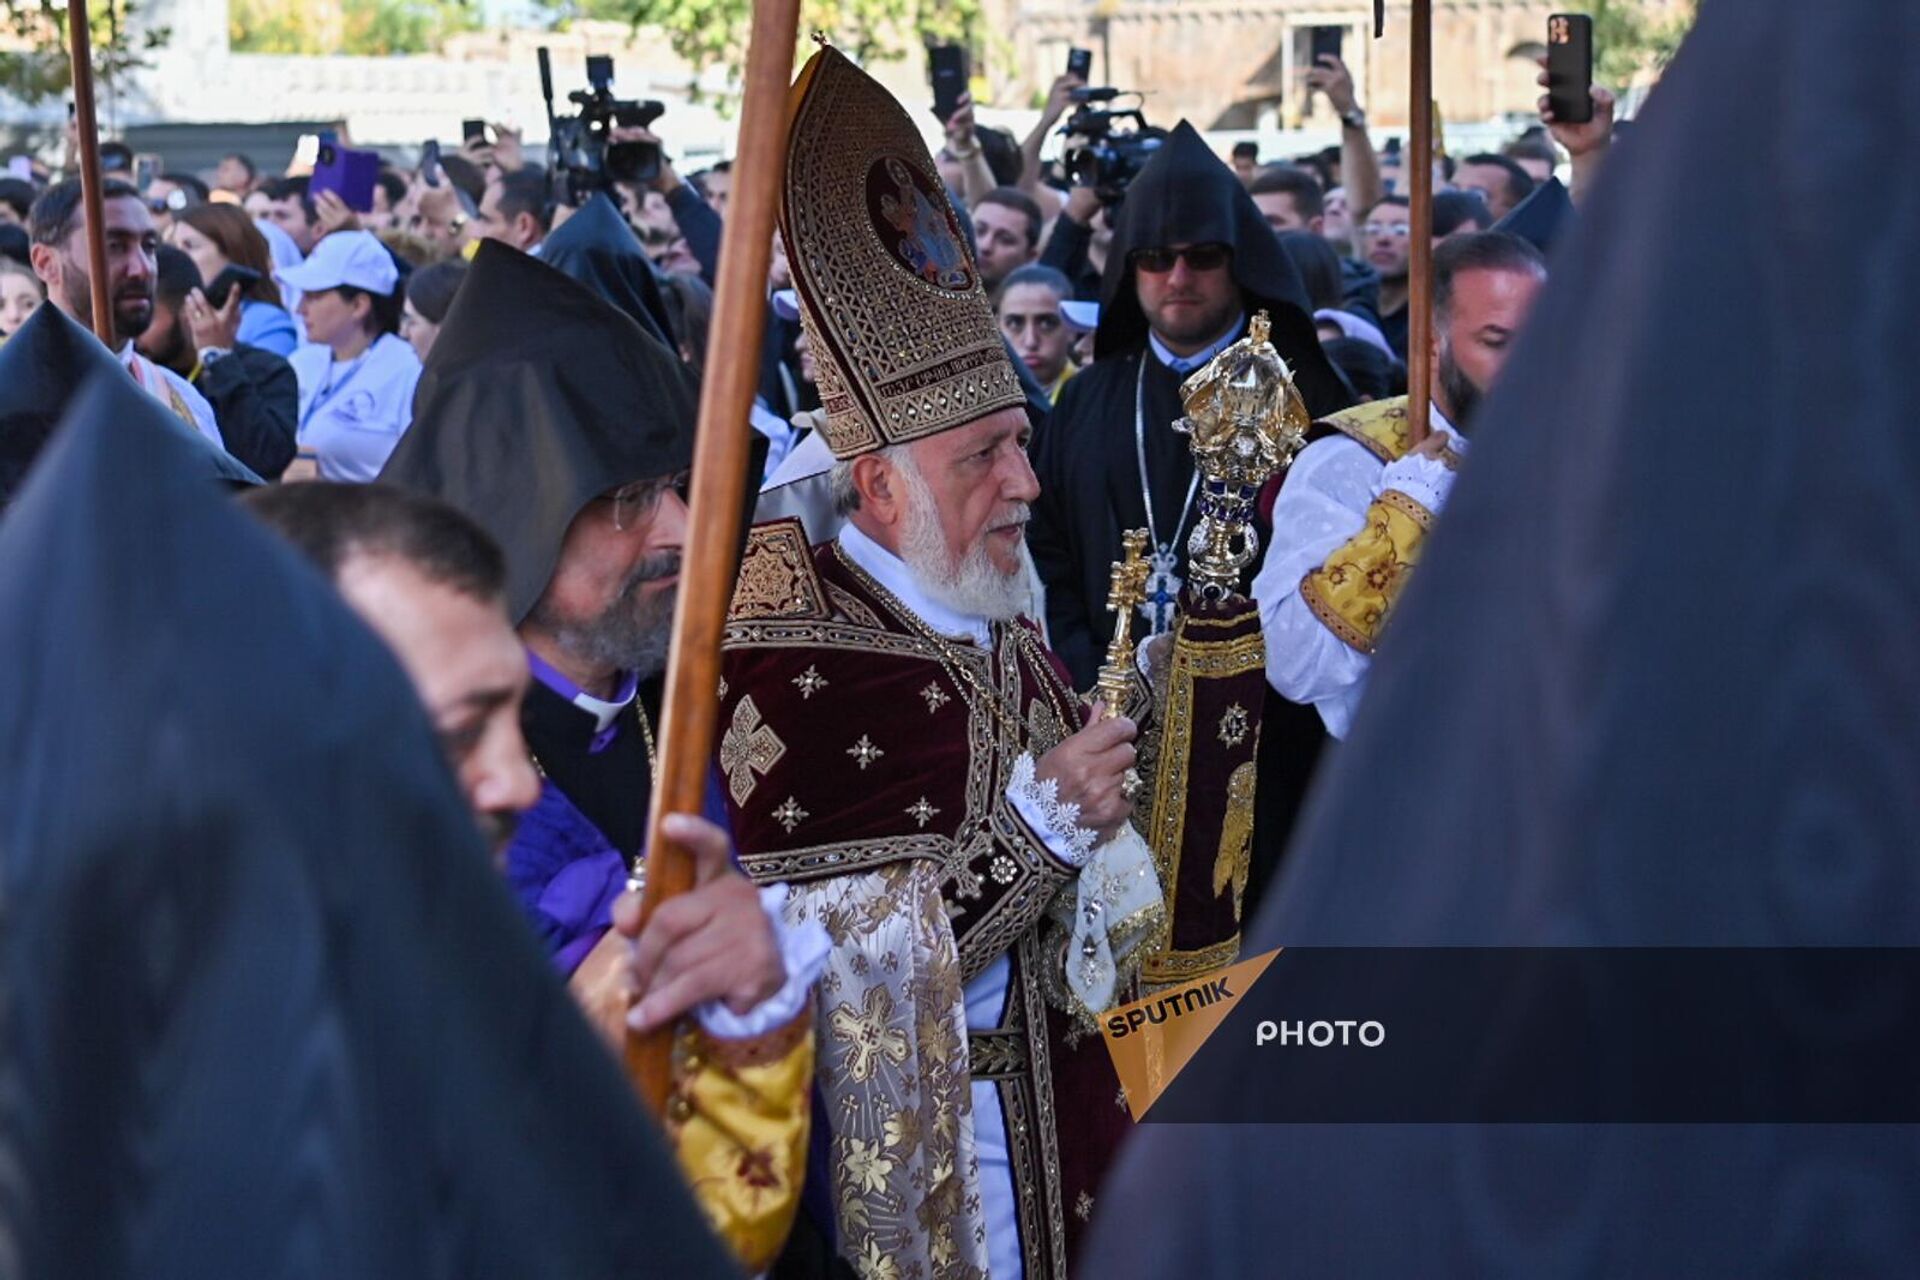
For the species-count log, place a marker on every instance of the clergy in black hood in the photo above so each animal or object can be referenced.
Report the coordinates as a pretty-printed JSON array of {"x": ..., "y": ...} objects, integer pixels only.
[
  {"x": 1653, "y": 686},
  {"x": 597, "y": 247},
  {"x": 41, "y": 368},
  {"x": 267, "y": 1009},
  {"x": 566, "y": 431},
  {"x": 1192, "y": 260}
]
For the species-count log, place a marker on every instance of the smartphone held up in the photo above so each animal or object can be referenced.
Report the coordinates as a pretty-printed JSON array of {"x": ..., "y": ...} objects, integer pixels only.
[{"x": 1570, "y": 67}]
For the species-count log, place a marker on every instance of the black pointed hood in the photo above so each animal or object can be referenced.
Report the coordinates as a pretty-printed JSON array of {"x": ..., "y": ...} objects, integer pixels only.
[
  {"x": 538, "y": 397},
  {"x": 268, "y": 1010},
  {"x": 1542, "y": 218},
  {"x": 1186, "y": 195},
  {"x": 1652, "y": 685},
  {"x": 42, "y": 368},
  {"x": 597, "y": 247}
]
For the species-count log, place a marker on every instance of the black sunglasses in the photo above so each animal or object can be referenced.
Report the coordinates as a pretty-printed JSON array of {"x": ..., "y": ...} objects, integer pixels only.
[{"x": 1198, "y": 257}]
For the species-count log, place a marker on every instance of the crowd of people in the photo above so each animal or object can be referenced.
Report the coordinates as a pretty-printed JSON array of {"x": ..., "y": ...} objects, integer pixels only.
[{"x": 919, "y": 880}]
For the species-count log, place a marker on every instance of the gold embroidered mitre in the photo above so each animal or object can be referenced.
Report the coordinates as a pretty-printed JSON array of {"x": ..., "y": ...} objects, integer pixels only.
[{"x": 901, "y": 330}]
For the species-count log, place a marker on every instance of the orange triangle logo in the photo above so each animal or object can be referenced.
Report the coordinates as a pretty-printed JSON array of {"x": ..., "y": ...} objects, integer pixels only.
[{"x": 1152, "y": 1040}]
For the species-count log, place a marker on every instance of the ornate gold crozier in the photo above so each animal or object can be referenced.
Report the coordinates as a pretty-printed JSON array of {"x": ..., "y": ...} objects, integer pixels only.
[
  {"x": 1245, "y": 421},
  {"x": 1126, "y": 588}
]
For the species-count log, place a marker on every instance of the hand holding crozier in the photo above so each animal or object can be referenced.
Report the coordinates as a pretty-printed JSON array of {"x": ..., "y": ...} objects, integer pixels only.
[{"x": 1090, "y": 768}]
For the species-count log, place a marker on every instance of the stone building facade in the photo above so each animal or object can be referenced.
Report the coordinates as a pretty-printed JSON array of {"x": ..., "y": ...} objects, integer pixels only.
[{"x": 1234, "y": 64}]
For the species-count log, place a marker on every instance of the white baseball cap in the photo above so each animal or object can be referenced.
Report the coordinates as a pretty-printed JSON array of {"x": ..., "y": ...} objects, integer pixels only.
[
  {"x": 1081, "y": 317},
  {"x": 355, "y": 259}
]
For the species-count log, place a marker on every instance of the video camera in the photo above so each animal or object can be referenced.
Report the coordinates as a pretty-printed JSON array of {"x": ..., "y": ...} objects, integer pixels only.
[
  {"x": 581, "y": 147},
  {"x": 1101, "y": 156}
]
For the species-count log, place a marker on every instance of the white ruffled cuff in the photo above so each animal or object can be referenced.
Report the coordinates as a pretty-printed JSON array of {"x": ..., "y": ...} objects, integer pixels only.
[
  {"x": 1426, "y": 480},
  {"x": 803, "y": 947},
  {"x": 1056, "y": 822}
]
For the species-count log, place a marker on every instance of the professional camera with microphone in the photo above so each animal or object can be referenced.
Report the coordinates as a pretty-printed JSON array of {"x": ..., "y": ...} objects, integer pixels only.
[
  {"x": 581, "y": 146},
  {"x": 1102, "y": 155}
]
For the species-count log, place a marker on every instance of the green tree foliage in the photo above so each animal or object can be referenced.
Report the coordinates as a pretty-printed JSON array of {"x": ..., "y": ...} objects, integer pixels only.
[
  {"x": 1635, "y": 38},
  {"x": 35, "y": 68},
  {"x": 371, "y": 27},
  {"x": 713, "y": 33}
]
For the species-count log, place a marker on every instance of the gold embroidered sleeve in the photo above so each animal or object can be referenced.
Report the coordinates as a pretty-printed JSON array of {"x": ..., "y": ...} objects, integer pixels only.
[
  {"x": 1353, "y": 592},
  {"x": 738, "y": 1118}
]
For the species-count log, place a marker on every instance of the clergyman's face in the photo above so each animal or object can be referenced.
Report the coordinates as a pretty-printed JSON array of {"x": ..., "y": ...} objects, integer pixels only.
[
  {"x": 1188, "y": 306},
  {"x": 981, "y": 484},
  {"x": 470, "y": 672},
  {"x": 610, "y": 600}
]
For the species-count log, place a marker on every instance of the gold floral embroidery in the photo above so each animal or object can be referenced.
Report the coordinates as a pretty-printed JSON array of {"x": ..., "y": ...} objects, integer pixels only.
[
  {"x": 1354, "y": 591},
  {"x": 1234, "y": 726}
]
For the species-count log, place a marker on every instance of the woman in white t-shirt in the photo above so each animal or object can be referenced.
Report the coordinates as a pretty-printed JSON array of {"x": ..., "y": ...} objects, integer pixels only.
[{"x": 356, "y": 376}]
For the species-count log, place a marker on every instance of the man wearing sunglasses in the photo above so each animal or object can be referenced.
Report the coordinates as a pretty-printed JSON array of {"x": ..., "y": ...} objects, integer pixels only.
[{"x": 1192, "y": 259}]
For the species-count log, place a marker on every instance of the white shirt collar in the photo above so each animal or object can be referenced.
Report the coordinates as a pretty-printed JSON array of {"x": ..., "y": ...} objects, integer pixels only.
[
  {"x": 891, "y": 572},
  {"x": 1187, "y": 364}
]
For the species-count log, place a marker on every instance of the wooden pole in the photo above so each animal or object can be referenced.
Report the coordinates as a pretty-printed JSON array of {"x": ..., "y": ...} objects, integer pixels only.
[
  {"x": 1420, "y": 229},
  {"x": 86, "y": 123},
  {"x": 720, "y": 456}
]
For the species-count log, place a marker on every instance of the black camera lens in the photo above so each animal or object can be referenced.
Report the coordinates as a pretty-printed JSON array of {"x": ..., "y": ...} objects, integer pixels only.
[{"x": 326, "y": 155}]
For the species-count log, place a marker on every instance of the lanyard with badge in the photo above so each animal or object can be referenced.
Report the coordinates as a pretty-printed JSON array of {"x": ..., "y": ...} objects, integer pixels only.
[{"x": 326, "y": 394}]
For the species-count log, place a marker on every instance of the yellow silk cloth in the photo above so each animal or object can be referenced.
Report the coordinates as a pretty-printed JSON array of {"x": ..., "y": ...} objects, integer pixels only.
[
  {"x": 738, "y": 1116},
  {"x": 1353, "y": 592}
]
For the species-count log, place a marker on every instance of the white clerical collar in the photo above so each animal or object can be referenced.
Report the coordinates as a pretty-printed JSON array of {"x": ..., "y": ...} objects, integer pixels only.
[
  {"x": 891, "y": 572},
  {"x": 1184, "y": 365},
  {"x": 604, "y": 713}
]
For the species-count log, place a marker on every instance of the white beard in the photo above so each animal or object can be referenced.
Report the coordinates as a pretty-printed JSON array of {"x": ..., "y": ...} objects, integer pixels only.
[{"x": 974, "y": 587}]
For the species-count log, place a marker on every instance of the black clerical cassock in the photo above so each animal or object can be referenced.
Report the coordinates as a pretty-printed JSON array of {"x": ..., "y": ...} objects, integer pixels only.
[
  {"x": 1109, "y": 459},
  {"x": 1653, "y": 685},
  {"x": 268, "y": 1011}
]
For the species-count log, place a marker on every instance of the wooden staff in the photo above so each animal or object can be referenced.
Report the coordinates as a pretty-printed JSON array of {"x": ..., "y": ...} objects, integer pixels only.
[
  {"x": 720, "y": 456},
  {"x": 80, "y": 47},
  {"x": 1420, "y": 227}
]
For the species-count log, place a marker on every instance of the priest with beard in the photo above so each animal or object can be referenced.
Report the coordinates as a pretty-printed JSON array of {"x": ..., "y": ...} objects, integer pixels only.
[
  {"x": 1356, "y": 507},
  {"x": 565, "y": 431},
  {"x": 1192, "y": 260},
  {"x": 901, "y": 744}
]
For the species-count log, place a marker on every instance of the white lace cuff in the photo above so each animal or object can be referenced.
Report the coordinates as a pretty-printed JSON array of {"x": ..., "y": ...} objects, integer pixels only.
[
  {"x": 1056, "y": 823},
  {"x": 803, "y": 947}
]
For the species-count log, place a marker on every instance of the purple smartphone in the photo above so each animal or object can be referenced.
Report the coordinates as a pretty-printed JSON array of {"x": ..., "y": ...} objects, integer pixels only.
[{"x": 348, "y": 172}]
